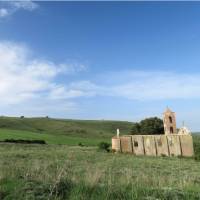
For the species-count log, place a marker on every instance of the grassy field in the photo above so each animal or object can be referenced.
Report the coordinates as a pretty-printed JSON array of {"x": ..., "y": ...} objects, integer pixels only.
[
  {"x": 81, "y": 128},
  {"x": 50, "y": 138},
  {"x": 64, "y": 172},
  {"x": 59, "y": 131}
]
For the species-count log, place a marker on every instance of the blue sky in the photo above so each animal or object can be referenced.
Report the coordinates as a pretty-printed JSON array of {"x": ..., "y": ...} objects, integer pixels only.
[{"x": 100, "y": 60}]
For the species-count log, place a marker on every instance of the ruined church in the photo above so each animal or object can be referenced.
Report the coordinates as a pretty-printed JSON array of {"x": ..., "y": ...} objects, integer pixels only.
[{"x": 171, "y": 143}]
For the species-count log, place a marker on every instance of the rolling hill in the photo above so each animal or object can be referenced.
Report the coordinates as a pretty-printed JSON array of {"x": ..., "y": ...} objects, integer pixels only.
[{"x": 61, "y": 131}]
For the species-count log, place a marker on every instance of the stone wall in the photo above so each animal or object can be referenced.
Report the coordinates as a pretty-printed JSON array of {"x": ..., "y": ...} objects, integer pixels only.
[
  {"x": 162, "y": 145},
  {"x": 138, "y": 145},
  {"x": 174, "y": 145},
  {"x": 154, "y": 145}
]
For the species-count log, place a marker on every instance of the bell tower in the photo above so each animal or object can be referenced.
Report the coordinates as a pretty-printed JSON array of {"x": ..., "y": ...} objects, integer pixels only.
[{"x": 169, "y": 121}]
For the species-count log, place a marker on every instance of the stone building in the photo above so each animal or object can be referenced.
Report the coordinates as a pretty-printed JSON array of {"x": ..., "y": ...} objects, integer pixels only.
[
  {"x": 169, "y": 121},
  {"x": 169, "y": 144}
]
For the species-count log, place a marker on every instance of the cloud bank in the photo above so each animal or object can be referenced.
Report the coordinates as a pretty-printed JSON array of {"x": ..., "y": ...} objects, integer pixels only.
[
  {"x": 32, "y": 85},
  {"x": 153, "y": 85},
  {"x": 8, "y": 8},
  {"x": 24, "y": 78},
  {"x": 143, "y": 85}
]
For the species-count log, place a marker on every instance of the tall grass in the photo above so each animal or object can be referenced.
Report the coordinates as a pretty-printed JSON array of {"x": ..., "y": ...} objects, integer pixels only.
[{"x": 63, "y": 172}]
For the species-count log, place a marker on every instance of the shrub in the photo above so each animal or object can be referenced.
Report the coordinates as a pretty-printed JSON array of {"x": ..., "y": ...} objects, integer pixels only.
[
  {"x": 80, "y": 144},
  {"x": 196, "y": 148},
  {"x": 148, "y": 126},
  {"x": 104, "y": 146},
  {"x": 21, "y": 141}
]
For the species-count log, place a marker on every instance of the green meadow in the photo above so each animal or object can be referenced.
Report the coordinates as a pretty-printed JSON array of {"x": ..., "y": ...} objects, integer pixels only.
[
  {"x": 60, "y": 131},
  {"x": 49, "y": 138},
  {"x": 62, "y": 169},
  {"x": 69, "y": 172}
]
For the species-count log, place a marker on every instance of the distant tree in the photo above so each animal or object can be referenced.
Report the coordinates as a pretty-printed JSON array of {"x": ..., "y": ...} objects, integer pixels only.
[
  {"x": 136, "y": 128},
  {"x": 22, "y": 117},
  {"x": 148, "y": 126}
]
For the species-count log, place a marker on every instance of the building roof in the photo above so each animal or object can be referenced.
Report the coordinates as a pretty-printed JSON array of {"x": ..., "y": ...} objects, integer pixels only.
[{"x": 168, "y": 110}]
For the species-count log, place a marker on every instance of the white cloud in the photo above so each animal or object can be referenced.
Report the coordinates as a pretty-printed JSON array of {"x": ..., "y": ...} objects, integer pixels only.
[
  {"x": 158, "y": 86},
  {"x": 8, "y": 8},
  {"x": 23, "y": 78},
  {"x": 32, "y": 85},
  {"x": 26, "y": 5},
  {"x": 74, "y": 90},
  {"x": 3, "y": 12},
  {"x": 141, "y": 85}
]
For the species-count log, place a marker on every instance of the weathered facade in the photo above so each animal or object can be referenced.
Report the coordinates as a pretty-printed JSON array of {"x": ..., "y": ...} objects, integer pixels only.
[
  {"x": 169, "y": 121},
  {"x": 169, "y": 144}
]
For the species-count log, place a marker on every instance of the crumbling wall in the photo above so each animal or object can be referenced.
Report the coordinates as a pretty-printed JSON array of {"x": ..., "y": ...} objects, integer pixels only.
[
  {"x": 186, "y": 145},
  {"x": 174, "y": 145},
  {"x": 116, "y": 144},
  {"x": 126, "y": 144},
  {"x": 138, "y": 146},
  {"x": 149, "y": 145},
  {"x": 154, "y": 145},
  {"x": 161, "y": 145}
]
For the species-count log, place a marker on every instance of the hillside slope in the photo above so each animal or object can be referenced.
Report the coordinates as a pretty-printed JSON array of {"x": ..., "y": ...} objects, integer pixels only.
[{"x": 77, "y": 128}]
